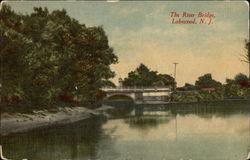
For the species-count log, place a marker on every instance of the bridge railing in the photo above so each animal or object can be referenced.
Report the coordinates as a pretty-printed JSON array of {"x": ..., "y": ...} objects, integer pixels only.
[{"x": 164, "y": 88}]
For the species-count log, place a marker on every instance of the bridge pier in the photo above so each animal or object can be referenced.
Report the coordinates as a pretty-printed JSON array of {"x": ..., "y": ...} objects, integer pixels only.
[{"x": 138, "y": 97}]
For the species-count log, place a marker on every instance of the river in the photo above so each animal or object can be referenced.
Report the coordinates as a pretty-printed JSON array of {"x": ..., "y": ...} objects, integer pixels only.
[{"x": 200, "y": 132}]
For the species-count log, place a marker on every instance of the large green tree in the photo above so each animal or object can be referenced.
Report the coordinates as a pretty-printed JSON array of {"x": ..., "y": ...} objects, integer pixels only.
[
  {"x": 206, "y": 81},
  {"x": 45, "y": 54},
  {"x": 143, "y": 76}
]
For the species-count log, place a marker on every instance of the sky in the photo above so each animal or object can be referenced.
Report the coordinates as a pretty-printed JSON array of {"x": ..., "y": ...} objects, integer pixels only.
[{"x": 143, "y": 32}]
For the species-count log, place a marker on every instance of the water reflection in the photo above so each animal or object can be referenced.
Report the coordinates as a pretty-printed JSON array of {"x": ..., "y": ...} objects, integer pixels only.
[
  {"x": 68, "y": 142},
  {"x": 146, "y": 122},
  {"x": 193, "y": 137},
  {"x": 123, "y": 107},
  {"x": 209, "y": 132}
]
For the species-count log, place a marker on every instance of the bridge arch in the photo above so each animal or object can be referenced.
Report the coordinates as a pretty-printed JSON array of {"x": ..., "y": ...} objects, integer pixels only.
[
  {"x": 121, "y": 101},
  {"x": 120, "y": 97}
]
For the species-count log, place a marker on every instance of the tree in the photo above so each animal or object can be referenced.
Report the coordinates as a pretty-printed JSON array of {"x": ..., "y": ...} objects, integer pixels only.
[
  {"x": 240, "y": 79},
  {"x": 108, "y": 83},
  {"x": 246, "y": 56},
  {"x": 188, "y": 86},
  {"x": 143, "y": 76},
  {"x": 44, "y": 55},
  {"x": 206, "y": 81},
  {"x": 234, "y": 90}
]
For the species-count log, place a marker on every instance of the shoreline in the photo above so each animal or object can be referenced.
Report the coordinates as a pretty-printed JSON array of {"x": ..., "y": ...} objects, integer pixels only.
[{"x": 19, "y": 123}]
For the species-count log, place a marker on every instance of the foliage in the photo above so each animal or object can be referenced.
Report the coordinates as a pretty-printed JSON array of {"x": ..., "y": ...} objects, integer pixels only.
[
  {"x": 198, "y": 96},
  {"x": 236, "y": 88},
  {"x": 44, "y": 55},
  {"x": 185, "y": 96},
  {"x": 239, "y": 79},
  {"x": 143, "y": 76},
  {"x": 108, "y": 83},
  {"x": 188, "y": 86},
  {"x": 235, "y": 91},
  {"x": 206, "y": 81}
]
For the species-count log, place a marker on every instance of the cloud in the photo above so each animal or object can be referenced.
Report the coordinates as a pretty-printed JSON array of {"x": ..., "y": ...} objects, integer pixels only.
[
  {"x": 157, "y": 12},
  {"x": 124, "y": 11},
  {"x": 147, "y": 33}
]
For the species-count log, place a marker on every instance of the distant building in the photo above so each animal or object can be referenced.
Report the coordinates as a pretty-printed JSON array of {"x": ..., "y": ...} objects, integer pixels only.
[{"x": 207, "y": 89}]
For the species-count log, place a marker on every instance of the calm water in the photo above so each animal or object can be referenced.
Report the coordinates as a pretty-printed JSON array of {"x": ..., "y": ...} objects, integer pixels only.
[{"x": 198, "y": 132}]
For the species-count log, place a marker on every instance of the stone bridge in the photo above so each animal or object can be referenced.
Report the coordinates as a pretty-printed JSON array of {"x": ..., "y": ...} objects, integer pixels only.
[{"x": 141, "y": 95}]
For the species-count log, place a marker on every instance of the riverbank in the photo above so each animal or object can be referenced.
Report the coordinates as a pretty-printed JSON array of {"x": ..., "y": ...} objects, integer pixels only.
[{"x": 19, "y": 122}]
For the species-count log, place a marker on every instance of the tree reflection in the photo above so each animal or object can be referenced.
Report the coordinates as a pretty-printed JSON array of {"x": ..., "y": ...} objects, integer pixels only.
[
  {"x": 67, "y": 142},
  {"x": 208, "y": 110},
  {"x": 146, "y": 122}
]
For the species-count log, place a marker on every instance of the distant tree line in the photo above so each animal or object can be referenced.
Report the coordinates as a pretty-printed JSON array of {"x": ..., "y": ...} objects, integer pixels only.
[
  {"x": 49, "y": 57},
  {"x": 208, "y": 89},
  {"x": 204, "y": 89}
]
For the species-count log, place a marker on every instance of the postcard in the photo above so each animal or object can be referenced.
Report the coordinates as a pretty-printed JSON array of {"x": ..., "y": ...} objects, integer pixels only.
[{"x": 124, "y": 80}]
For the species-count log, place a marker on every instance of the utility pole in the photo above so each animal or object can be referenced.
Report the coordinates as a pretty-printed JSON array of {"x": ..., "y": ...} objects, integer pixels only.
[{"x": 175, "y": 64}]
